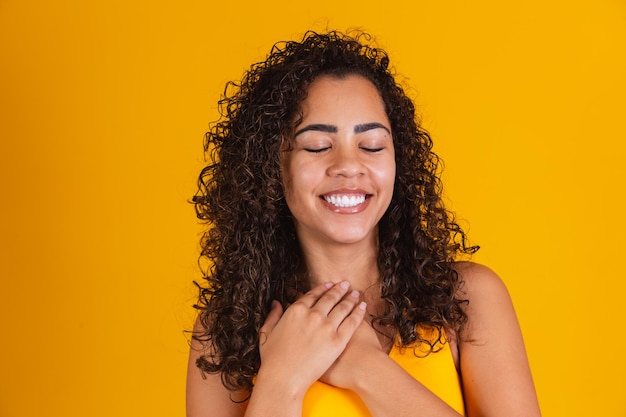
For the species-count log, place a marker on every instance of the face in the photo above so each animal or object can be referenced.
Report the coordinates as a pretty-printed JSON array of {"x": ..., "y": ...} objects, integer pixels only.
[{"x": 339, "y": 174}]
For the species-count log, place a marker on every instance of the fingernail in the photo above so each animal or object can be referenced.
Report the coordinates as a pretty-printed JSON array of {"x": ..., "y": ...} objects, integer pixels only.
[
  {"x": 362, "y": 306},
  {"x": 328, "y": 285},
  {"x": 344, "y": 284},
  {"x": 355, "y": 294}
]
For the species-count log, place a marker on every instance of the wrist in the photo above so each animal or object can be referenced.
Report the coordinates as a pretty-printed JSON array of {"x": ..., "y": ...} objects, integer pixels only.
[
  {"x": 366, "y": 378},
  {"x": 282, "y": 387}
]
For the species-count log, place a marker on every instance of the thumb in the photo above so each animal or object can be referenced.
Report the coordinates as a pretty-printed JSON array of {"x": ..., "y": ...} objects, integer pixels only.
[{"x": 272, "y": 318}]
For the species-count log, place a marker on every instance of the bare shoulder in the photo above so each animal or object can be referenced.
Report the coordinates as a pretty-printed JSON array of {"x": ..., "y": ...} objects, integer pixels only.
[
  {"x": 489, "y": 306},
  {"x": 495, "y": 371},
  {"x": 205, "y": 394},
  {"x": 480, "y": 281}
]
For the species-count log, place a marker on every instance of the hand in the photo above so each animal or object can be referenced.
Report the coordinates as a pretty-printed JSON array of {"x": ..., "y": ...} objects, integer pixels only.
[
  {"x": 299, "y": 345},
  {"x": 362, "y": 348}
]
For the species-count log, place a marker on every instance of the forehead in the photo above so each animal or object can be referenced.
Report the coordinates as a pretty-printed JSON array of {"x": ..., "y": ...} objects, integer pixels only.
[
  {"x": 351, "y": 95},
  {"x": 328, "y": 84}
]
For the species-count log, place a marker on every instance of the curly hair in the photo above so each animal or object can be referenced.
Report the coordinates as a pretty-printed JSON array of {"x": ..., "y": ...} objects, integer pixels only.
[{"x": 250, "y": 245}]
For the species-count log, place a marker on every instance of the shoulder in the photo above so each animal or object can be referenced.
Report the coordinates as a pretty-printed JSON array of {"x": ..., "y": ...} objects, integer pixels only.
[
  {"x": 480, "y": 284},
  {"x": 494, "y": 367},
  {"x": 477, "y": 275},
  {"x": 485, "y": 294},
  {"x": 206, "y": 395},
  {"x": 489, "y": 307}
]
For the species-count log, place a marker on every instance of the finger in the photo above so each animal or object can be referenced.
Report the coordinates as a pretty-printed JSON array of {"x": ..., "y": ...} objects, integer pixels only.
[
  {"x": 344, "y": 307},
  {"x": 272, "y": 318},
  {"x": 332, "y": 297},
  {"x": 310, "y": 298},
  {"x": 352, "y": 322}
]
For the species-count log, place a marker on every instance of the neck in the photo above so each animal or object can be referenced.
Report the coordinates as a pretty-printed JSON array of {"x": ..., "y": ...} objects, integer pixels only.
[{"x": 356, "y": 263}]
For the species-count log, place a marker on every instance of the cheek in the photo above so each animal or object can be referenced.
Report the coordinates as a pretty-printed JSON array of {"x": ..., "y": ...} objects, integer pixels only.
[
  {"x": 302, "y": 177},
  {"x": 386, "y": 173},
  {"x": 285, "y": 175},
  {"x": 287, "y": 189},
  {"x": 391, "y": 176},
  {"x": 288, "y": 192},
  {"x": 387, "y": 181},
  {"x": 292, "y": 184}
]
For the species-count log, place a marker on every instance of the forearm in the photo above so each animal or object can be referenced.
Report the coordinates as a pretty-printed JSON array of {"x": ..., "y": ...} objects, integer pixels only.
[
  {"x": 402, "y": 398},
  {"x": 275, "y": 398}
]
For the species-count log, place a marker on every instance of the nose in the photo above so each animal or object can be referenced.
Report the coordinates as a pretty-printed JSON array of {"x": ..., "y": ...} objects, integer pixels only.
[{"x": 346, "y": 162}]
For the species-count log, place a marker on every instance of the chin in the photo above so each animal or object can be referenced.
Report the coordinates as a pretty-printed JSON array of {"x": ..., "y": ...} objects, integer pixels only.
[{"x": 353, "y": 237}]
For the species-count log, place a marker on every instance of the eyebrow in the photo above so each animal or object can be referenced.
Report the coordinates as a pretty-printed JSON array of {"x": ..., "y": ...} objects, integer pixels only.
[
  {"x": 370, "y": 126},
  {"x": 319, "y": 127}
]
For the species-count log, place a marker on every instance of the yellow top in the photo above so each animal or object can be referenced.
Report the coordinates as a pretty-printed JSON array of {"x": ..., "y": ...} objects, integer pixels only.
[{"x": 435, "y": 371}]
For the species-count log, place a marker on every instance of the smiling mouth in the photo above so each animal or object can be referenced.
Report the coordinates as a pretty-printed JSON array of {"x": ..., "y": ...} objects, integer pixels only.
[{"x": 345, "y": 201}]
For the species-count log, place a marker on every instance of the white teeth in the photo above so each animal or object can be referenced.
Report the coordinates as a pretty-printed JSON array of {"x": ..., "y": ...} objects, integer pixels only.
[{"x": 344, "y": 200}]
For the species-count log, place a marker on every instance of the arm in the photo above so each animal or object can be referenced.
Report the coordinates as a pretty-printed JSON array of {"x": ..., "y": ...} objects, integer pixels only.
[
  {"x": 495, "y": 372},
  {"x": 208, "y": 396},
  {"x": 298, "y": 346},
  {"x": 307, "y": 337},
  {"x": 384, "y": 386}
]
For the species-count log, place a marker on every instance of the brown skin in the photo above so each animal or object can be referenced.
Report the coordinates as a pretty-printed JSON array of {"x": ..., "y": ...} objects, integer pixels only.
[
  {"x": 325, "y": 334},
  {"x": 491, "y": 355},
  {"x": 249, "y": 242}
]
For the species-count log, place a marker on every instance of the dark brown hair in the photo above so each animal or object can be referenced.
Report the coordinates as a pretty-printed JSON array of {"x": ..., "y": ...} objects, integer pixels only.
[{"x": 250, "y": 241}]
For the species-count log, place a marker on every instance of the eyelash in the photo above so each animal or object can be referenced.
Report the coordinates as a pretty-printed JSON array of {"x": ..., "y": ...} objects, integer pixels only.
[
  {"x": 320, "y": 150},
  {"x": 316, "y": 150},
  {"x": 372, "y": 150}
]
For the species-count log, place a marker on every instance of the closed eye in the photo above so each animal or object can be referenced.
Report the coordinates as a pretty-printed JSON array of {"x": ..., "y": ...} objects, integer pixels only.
[
  {"x": 317, "y": 150},
  {"x": 372, "y": 150}
]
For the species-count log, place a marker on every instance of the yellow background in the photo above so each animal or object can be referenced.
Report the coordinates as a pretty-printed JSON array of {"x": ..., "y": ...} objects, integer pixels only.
[{"x": 103, "y": 106}]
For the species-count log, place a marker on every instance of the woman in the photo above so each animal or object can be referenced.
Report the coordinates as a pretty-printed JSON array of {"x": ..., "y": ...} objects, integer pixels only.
[{"x": 334, "y": 286}]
